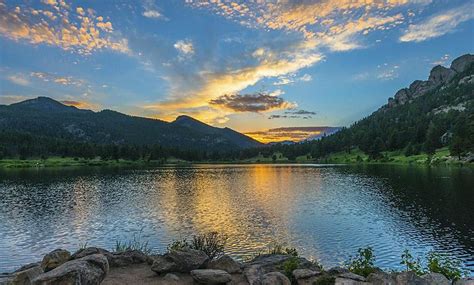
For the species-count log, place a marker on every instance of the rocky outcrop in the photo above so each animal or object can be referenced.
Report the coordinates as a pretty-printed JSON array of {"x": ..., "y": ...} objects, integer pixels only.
[
  {"x": 211, "y": 276},
  {"x": 275, "y": 278},
  {"x": 115, "y": 259},
  {"x": 179, "y": 261},
  {"x": 89, "y": 270},
  {"x": 226, "y": 263},
  {"x": 54, "y": 259},
  {"x": 439, "y": 75}
]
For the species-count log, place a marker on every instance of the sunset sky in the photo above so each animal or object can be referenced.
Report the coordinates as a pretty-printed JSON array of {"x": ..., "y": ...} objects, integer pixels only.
[{"x": 251, "y": 66}]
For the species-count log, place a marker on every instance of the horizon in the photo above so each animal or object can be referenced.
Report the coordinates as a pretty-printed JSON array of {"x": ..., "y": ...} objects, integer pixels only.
[{"x": 228, "y": 64}]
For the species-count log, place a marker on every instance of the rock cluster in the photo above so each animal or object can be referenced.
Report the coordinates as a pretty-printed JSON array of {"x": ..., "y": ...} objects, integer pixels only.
[
  {"x": 95, "y": 266},
  {"x": 439, "y": 75}
]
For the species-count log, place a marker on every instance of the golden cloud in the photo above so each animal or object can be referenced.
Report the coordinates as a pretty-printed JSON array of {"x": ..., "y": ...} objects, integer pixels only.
[
  {"x": 63, "y": 80},
  {"x": 59, "y": 27},
  {"x": 294, "y": 134},
  {"x": 81, "y": 104}
]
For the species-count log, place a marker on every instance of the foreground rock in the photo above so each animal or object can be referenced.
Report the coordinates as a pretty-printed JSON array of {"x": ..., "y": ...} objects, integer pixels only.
[
  {"x": 211, "y": 276},
  {"x": 275, "y": 278},
  {"x": 115, "y": 259},
  {"x": 54, "y": 259},
  {"x": 179, "y": 261},
  {"x": 89, "y": 270},
  {"x": 226, "y": 263}
]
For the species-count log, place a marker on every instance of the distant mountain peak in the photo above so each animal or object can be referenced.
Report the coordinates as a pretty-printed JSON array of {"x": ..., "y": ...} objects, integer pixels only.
[{"x": 43, "y": 103}]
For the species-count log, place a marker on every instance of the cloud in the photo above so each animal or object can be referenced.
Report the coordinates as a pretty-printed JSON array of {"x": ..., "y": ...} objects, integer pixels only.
[
  {"x": 81, "y": 104},
  {"x": 150, "y": 10},
  {"x": 294, "y": 134},
  {"x": 80, "y": 32},
  {"x": 10, "y": 99},
  {"x": 301, "y": 112},
  {"x": 439, "y": 24},
  {"x": 257, "y": 102},
  {"x": 291, "y": 78},
  {"x": 335, "y": 24},
  {"x": 293, "y": 114},
  {"x": 62, "y": 80},
  {"x": 19, "y": 79},
  {"x": 184, "y": 47},
  {"x": 441, "y": 61}
]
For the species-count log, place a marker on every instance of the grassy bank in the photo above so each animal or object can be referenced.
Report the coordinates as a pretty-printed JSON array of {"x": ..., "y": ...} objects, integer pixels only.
[{"x": 356, "y": 156}]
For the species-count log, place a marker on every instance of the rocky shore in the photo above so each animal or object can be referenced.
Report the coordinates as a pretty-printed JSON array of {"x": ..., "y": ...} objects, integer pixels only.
[{"x": 188, "y": 266}]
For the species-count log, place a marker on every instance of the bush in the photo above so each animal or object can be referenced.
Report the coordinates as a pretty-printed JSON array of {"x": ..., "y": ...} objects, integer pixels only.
[
  {"x": 278, "y": 248},
  {"x": 289, "y": 265},
  {"x": 211, "y": 243},
  {"x": 364, "y": 263},
  {"x": 411, "y": 264},
  {"x": 438, "y": 263},
  {"x": 135, "y": 244}
]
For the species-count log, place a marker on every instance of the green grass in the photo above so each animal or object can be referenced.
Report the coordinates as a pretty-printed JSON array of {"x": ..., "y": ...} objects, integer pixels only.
[{"x": 68, "y": 162}]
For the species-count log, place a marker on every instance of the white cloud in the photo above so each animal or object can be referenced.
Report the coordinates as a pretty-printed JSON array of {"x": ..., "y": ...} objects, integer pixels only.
[
  {"x": 306, "y": 77},
  {"x": 439, "y": 24},
  {"x": 184, "y": 47},
  {"x": 19, "y": 79},
  {"x": 152, "y": 14}
]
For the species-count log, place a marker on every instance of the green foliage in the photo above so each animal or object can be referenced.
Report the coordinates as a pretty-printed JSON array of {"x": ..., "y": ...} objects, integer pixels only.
[
  {"x": 438, "y": 263},
  {"x": 212, "y": 243},
  {"x": 278, "y": 248},
  {"x": 135, "y": 244},
  {"x": 289, "y": 265},
  {"x": 178, "y": 245},
  {"x": 364, "y": 263},
  {"x": 411, "y": 264}
]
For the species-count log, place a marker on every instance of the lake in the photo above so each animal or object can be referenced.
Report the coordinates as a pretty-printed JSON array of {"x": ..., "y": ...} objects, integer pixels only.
[{"x": 326, "y": 212}]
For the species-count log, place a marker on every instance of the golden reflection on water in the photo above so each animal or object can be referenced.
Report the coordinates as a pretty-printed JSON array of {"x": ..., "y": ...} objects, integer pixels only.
[{"x": 209, "y": 200}]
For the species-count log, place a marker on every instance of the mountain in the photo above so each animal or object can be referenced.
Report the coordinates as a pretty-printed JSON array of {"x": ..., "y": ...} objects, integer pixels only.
[
  {"x": 427, "y": 115},
  {"x": 46, "y": 117}
]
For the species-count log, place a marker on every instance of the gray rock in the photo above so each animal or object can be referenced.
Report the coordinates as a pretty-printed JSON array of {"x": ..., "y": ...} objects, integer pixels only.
[
  {"x": 275, "y": 278},
  {"x": 211, "y": 276},
  {"x": 350, "y": 275},
  {"x": 337, "y": 270},
  {"x": 304, "y": 273},
  {"x": 179, "y": 261},
  {"x": 402, "y": 96},
  {"x": 409, "y": 277},
  {"x": 464, "y": 281},
  {"x": 467, "y": 80},
  {"x": 462, "y": 63},
  {"x": 225, "y": 263},
  {"x": 381, "y": 278},
  {"x": 88, "y": 251},
  {"x": 121, "y": 259},
  {"x": 26, "y": 276},
  {"x": 255, "y": 269},
  {"x": 440, "y": 74},
  {"x": 171, "y": 279},
  {"x": 54, "y": 259},
  {"x": 436, "y": 279},
  {"x": 89, "y": 270},
  {"x": 28, "y": 266},
  {"x": 419, "y": 87},
  {"x": 345, "y": 281}
]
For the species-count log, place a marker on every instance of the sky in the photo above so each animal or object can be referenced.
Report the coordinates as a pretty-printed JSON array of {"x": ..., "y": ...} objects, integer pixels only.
[{"x": 254, "y": 66}]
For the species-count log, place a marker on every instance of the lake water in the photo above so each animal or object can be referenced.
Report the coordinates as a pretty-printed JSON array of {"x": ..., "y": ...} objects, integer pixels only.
[{"x": 326, "y": 212}]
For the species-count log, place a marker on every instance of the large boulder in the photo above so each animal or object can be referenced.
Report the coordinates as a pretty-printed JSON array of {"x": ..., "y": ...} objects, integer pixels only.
[
  {"x": 24, "y": 276},
  {"x": 462, "y": 63},
  {"x": 89, "y": 251},
  {"x": 381, "y": 278},
  {"x": 275, "y": 278},
  {"x": 179, "y": 261},
  {"x": 54, "y": 259},
  {"x": 436, "y": 279},
  {"x": 89, "y": 270},
  {"x": 211, "y": 276},
  {"x": 304, "y": 273},
  {"x": 409, "y": 277},
  {"x": 125, "y": 258},
  {"x": 226, "y": 263}
]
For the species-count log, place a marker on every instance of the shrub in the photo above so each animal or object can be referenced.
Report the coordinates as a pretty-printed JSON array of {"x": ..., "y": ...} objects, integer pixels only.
[
  {"x": 438, "y": 263},
  {"x": 364, "y": 263},
  {"x": 289, "y": 265},
  {"x": 325, "y": 280},
  {"x": 278, "y": 248},
  {"x": 178, "y": 245},
  {"x": 135, "y": 244},
  {"x": 211, "y": 243},
  {"x": 411, "y": 264}
]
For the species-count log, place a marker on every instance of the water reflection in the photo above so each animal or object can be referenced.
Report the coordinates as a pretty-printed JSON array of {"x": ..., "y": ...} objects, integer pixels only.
[{"x": 326, "y": 212}]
